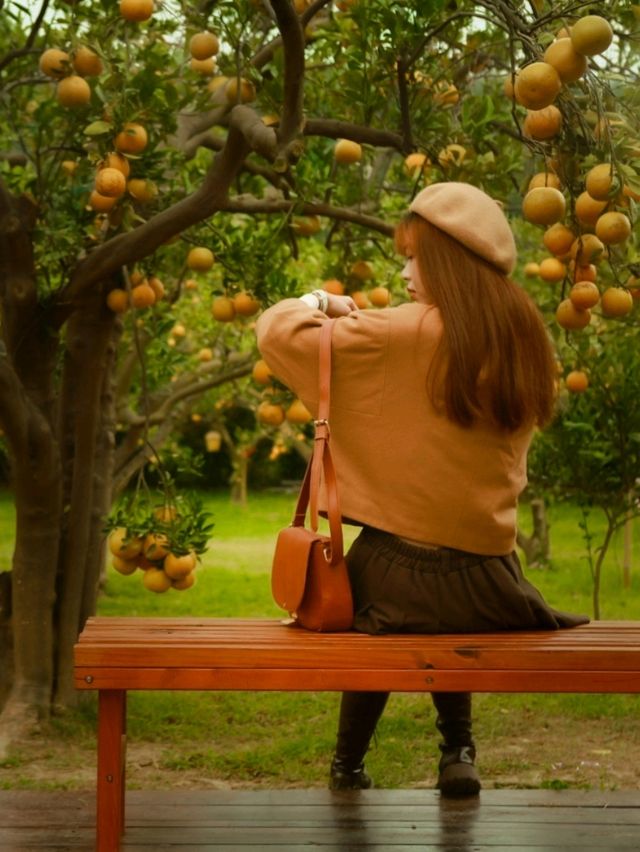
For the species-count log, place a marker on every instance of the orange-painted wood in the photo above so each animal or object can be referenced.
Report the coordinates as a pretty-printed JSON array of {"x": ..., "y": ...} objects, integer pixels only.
[
  {"x": 114, "y": 655},
  {"x": 111, "y": 769}
]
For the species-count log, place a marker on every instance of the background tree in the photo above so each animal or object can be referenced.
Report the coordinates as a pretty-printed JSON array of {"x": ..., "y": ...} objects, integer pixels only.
[{"x": 156, "y": 128}]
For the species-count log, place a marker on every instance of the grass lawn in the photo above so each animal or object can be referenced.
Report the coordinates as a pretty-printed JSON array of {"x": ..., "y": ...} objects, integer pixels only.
[{"x": 283, "y": 739}]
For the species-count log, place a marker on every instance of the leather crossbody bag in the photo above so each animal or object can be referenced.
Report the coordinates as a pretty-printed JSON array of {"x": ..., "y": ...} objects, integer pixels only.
[{"x": 309, "y": 577}]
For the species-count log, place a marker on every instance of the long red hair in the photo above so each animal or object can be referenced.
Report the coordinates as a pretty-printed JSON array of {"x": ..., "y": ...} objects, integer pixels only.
[{"x": 495, "y": 358}]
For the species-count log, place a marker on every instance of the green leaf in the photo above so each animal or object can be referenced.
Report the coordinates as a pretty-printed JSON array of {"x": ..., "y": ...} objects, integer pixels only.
[{"x": 97, "y": 128}]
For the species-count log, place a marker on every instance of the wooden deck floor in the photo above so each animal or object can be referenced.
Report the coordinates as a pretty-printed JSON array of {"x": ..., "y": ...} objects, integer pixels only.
[{"x": 258, "y": 821}]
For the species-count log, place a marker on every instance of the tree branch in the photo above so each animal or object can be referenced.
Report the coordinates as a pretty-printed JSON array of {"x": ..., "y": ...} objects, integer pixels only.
[
  {"x": 293, "y": 44},
  {"x": 252, "y": 205},
  {"x": 28, "y": 45},
  {"x": 334, "y": 129}
]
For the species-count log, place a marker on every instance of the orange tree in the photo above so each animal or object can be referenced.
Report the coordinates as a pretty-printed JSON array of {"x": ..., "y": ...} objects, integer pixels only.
[{"x": 281, "y": 140}]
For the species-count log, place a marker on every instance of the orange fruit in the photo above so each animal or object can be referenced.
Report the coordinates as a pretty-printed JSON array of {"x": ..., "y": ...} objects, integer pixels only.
[
  {"x": 242, "y": 92},
  {"x": 155, "y": 546},
  {"x": 599, "y": 181},
  {"x": 205, "y": 354},
  {"x": 136, "y": 10},
  {"x": 261, "y": 373},
  {"x": 73, "y": 91},
  {"x": 616, "y": 302},
  {"x": 577, "y": 381},
  {"x": 552, "y": 269},
  {"x": 613, "y": 228},
  {"x": 124, "y": 566},
  {"x": 360, "y": 299},
  {"x": 588, "y": 209},
  {"x": 591, "y": 35},
  {"x": 537, "y": 85},
  {"x": 177, "y": 567},
  {"x": 124, "y": 545},
  {"x": 69, "y": 167},
  {"x": 101, "y": 203},
  {"x": 200, "y": 259},
  {"x": 110, "y": 182},
  {"x": 558, "y": 239},
  {"x": 532, "y": 270},
  {"x": 346, "y": 152},
  {"x": 586, "y": 249},
  {"x": 142, "y": 190},
  {"x": 570, "y": 317},
  {"x": 118, "y": 300},
  {"x": 132, "y": 139},
  {"x": 415, "y": 163},
  {"x": 218, "y": 82},
  {"x": 306, "y": 226},
  {"x": 543, "y": 205},
  {"x": 569, "y": 64},
  {"x": 223, "y": 309},
  {"x": 379, "y": 296},
  {"x": 298, "y": 412},
  {"x": 332, "y": 285},
  {"x": 143, "y": 296},
  {"x": 584, "y": 294},
  {"x": 544, "y": 179},
  {"x": 362, "y": 270},
  {"x": 184, "y": 582},
  {"x": 542, "y": 124},
  {"x": 54, "y": 63},
  {"x": 452, "y": 155},
  {"x": 245, "y": 305},
  {"x": 269, "y": 413},
  {"x": 203, "y": 66},
  {"x": 155, "y": 580},
  {"x": 587, "y": 272},
  {"x": 86, "y": 62},
  {"x": 116, "y": 161},
  {"x": 157, "y": 286},
  {"x": 203, "y": 45}
]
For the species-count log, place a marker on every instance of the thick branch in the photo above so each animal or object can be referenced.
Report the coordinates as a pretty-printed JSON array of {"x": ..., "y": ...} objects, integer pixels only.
[
  {"x": 250, "y": 204},
  {"x": 293, "y": 44},
  {"x": 334, "y": 129},
  {"x": 265, "y": 54}
]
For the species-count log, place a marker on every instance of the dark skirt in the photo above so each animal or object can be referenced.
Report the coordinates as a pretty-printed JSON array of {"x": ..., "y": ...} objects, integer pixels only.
[{"x": 400, "y": 587}]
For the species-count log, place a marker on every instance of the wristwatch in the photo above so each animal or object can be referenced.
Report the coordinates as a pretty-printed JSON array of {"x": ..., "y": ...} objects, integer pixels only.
[{"x": 317, "y": 299}]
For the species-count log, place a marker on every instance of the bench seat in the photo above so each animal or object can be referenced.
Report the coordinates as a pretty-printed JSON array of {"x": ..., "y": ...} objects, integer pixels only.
[{"x": 114, "y": 655}]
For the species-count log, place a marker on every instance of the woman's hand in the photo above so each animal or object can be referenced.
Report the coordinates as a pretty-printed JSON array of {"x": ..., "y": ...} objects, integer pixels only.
[{"x": 340, "y": 306}]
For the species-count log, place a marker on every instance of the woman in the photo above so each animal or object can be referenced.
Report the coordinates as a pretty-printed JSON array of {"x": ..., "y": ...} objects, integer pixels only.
[{"x": 433, "y": 408}]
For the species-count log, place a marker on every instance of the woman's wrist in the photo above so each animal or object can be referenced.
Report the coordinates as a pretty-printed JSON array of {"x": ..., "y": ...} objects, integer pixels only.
[{"x": 318, "y": 300}]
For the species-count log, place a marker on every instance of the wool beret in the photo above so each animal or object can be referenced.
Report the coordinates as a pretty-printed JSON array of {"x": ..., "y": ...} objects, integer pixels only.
[{"x": 470, "y": 216}]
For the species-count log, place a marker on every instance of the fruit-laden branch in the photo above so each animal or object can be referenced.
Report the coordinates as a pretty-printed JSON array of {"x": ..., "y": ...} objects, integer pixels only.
[
  {"x": 334, "y": 129},
  {"x": 251, "y": 204},
  {"x": 134, "y": 245},
  {"x": 28, "y": 45}
]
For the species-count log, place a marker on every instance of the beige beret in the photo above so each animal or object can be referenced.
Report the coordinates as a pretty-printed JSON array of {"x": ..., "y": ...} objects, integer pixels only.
[{"x": 470, "y": 216}]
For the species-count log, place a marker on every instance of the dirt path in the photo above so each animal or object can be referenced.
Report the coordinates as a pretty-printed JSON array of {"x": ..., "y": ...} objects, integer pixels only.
[{"x": 567, "y": 754}]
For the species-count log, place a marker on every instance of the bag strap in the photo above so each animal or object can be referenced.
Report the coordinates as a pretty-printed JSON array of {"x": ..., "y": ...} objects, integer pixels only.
[{"x": 321, "y": 460}]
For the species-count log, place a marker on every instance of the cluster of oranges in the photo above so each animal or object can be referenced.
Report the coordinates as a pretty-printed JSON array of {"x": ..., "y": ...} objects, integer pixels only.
[
  {"x": 270, "y": 412},
  {"x": 145, "y": 291},
  {"x": 163, "y": 570},
  {"x": 598, "y": 217}
]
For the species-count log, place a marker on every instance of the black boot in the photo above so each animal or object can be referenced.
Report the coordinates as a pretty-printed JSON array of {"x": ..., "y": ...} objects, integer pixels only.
[
  {"x": 359, "y": 715},
  {"x": 457, "y": 775}
]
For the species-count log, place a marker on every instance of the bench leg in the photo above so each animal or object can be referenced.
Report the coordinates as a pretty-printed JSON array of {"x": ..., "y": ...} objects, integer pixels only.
[{"x": 112, "y": 738}]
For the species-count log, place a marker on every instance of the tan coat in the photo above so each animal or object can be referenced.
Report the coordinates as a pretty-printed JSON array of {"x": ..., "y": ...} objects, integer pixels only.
[{"x": 402, "y": 466}]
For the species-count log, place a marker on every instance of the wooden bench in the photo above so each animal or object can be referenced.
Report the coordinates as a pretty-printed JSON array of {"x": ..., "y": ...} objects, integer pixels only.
[{"x": 114, "y": 655}]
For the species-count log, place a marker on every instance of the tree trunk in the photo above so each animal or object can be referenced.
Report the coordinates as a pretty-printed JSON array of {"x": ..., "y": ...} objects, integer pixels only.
[
  {"x": 537, "y": 546},
  {"x": 89, "y": 357}
]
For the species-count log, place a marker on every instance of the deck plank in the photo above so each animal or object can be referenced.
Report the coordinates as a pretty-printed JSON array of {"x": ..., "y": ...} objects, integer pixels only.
[{"x": 395, "y": 820}]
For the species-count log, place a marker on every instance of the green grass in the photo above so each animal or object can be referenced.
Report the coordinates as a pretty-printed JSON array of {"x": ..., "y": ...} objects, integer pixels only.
[{"x": 280, "y": 739}]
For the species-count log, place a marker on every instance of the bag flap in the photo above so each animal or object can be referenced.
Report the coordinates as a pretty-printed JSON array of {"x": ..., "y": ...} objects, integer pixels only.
[{"x": 290, "y": 564}]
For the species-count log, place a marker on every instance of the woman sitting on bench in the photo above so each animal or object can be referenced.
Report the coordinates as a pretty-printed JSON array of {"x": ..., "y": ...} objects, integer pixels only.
[{"x": 434, "y": 404}]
